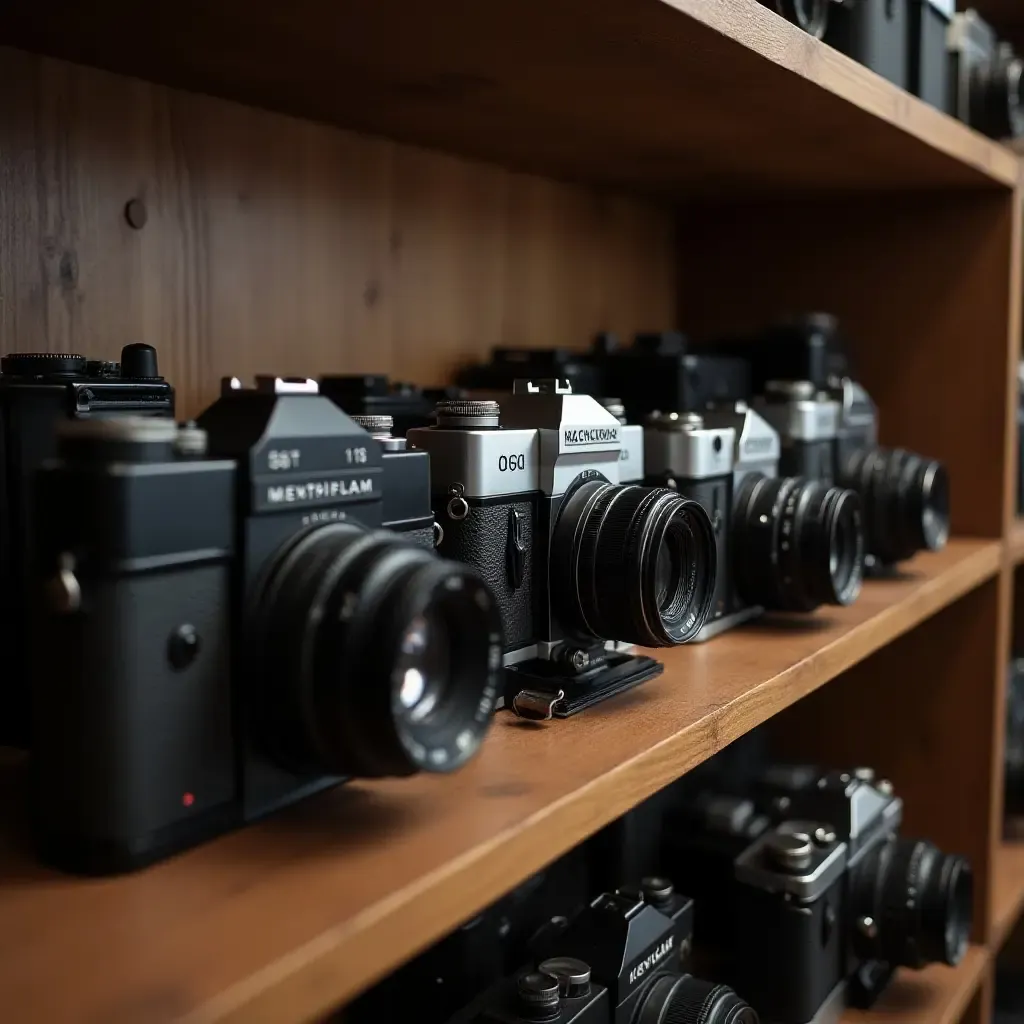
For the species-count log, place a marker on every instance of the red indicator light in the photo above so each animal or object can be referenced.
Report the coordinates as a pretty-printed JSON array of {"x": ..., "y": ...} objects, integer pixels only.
[{"x": 187, "y": 799}]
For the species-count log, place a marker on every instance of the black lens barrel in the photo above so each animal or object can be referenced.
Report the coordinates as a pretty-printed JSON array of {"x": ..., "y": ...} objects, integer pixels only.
[
  {"x": 609, "y": 555},
  {"x": 797, "y": 544},
  {"x": 906, "y": 501},
  {"x": 920, "y": 900},
  {"x": 326, "y": 630},
  {"x": 684, "y": 999}
]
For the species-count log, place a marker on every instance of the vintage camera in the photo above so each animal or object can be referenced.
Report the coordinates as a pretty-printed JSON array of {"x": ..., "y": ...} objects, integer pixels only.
[
  {"x": 227, "y": 628},
  {"x": 986, "y": 78},
  {"x": 930, "y": 68},
  {"x": 810, "y": 15},
  {"x": 37, "y": 392},
  {"x": 370, "y": 394},
  {"x": 621, "y": 961},
  {"x": 875, "y": 33},
  {"x": 824, "y": 898},
  {"x": 784, "y": 544},
  {"x": 583, "y": 370},
  {"x": 532, "y": 494},
  {"x": 661, "y": 371},
  {"x": 829, "y": 429}
]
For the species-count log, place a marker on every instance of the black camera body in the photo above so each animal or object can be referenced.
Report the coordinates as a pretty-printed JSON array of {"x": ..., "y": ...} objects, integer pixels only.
[
  {"x": 875, "y": 33},
  {"x": 825, "y": 900},
  {"x": 37, "y": 392},
  {"x": 829, "y": 429},
  {"x": 369, "y": 394},
  {"x": 986, "y": 78},
  {"x": 584, "y": 370},
  {"x": 621, "y": 961},
  {"x": 227, "y": 628},
  {"x": 525, "y": 492},
  {"x": 1013, "y": 754}
]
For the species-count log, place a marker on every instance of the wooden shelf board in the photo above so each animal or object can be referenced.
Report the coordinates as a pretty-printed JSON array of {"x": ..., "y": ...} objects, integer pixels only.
[
  {"x": 1007, "y": 890},
  {"x": 936, "y": 995},
  {"x": 283, "y": 920},
  {"x": 1016, "y": 541},
  {"x": 672, "y": 97}
]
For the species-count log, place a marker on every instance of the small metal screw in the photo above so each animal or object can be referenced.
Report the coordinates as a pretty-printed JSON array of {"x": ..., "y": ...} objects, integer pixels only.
[
  {"x": 136, "y": 214},
  {"x": 579, "y": 660},
  {"x": 458, "y": 507},
  {"x": 824, "y": 836},
  {"x": 183, "y": 646},
  {"x": 885, "y": 787},
  {"x": 867, "y": 927}
]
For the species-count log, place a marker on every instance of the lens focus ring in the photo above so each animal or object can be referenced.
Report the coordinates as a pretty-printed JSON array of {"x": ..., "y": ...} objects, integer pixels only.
[
  {"x": 633, "y": 564},
  {"x": 689, "y": 1000}
]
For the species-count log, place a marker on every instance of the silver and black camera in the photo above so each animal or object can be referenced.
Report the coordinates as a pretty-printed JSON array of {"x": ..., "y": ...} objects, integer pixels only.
[
  {"x": 987, "y": 78},
  {"x": 825, "y": 899},
  {"x": 810, "y": 15},
  {"x": 829, "y": 429},
  {"x": 540, "y": 494},
  {"x": 784, "y": 544}
]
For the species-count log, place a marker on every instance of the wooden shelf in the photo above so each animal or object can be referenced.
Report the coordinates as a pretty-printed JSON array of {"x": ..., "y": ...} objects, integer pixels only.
[
  {"x": 286, "y": 919},
  {"x": 1015, "y": 541},
  {"x": 1006, "y": 891},
  {"x": 936, "y": 995},
  {"x": 675, "y": 97}
]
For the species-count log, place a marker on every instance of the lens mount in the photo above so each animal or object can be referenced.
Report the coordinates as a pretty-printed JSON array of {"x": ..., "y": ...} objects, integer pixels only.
[
  {"x": 906, "y": 501},
  {"x": 633, "y": 564},
  {"x": 373, "y": 656},
  {"x": 797, "y": 544},
  {"x": 921, "y": 901},
  {"x": 684, "y": 999}
]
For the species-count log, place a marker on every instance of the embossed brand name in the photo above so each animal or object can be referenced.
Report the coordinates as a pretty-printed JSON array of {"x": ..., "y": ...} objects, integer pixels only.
[
  {"x": 592, "y": 435},
  {"x": 652, "y": 959},
  {"x": 318, "y": 490}
]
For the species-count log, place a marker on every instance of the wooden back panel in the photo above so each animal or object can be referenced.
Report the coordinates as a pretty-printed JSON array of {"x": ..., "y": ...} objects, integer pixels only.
[{"x": 282, "y": 246}]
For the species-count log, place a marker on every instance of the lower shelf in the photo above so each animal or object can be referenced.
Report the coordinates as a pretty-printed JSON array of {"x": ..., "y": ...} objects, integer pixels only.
[
  {"x": 936, "y": 995},
  {"x": 1007, "y": 890},
  {"x": 289, "y": 918}
]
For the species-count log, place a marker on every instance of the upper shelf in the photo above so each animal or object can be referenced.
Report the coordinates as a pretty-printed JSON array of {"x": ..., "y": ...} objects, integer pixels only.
[
  {"x": 357, "y": 880},
  {"x": 672, "y": 97}
]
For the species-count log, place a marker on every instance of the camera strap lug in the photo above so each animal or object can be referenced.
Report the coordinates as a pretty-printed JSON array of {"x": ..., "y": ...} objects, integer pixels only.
[{"x": 535, "y": 705}]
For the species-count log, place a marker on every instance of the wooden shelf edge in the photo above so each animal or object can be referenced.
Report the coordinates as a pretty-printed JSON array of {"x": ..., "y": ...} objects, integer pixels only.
[
  {"x": 791, "y": 48},
  {"x": 936, "y": 995},
  {"x": 526, "y": 849},
  {"x": 1015, "y": 542},
  {"x": 364, "y": 876},
  {"x": 1006, "y": 891}
]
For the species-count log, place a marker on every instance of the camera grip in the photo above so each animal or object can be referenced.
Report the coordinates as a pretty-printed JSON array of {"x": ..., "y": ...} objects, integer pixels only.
[{"x": 482, "y": 539}]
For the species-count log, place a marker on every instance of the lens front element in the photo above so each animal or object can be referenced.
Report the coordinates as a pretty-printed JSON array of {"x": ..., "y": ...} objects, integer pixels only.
[
  {"x": 633, "y": 564},
  {"x": 374, "y": 656}
]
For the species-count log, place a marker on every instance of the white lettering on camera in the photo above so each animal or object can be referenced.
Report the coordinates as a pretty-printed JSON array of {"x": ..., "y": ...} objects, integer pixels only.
[
  {"x": 283, "y": 459},
  {"x": 318, "y": 490},
  {"x": 592, "y": 435},
  {"x": 652, "y": 959}
]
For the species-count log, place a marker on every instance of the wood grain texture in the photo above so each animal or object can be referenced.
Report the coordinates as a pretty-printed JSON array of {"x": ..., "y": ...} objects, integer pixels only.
[
  {"x": 673, "y": 96},
  {"x": 1007, "y": 891},
  {"x": 275, "y": 245},
  {"x": 920, "y": 711},
  {"x": 924, "y": 291},
  {"x": 936, "y": 995},
  {"x": 1015, "y": 541},
  {"x": 289, "y": 918}
]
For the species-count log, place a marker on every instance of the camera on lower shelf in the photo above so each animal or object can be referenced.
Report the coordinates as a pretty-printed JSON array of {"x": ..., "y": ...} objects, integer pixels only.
[
  {"x": 238, "y": 613},
  {"x": 784, "y": 544},
  {"x": 809, "y": 897},
  {"x": 537, "y": 492}
]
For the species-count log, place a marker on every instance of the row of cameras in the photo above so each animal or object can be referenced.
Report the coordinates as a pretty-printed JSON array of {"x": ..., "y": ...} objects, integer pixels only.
[
  {"x": 954, "y": 61},
  {"x": 258, "y": 593},
  {"x": 806, "y": 901}
]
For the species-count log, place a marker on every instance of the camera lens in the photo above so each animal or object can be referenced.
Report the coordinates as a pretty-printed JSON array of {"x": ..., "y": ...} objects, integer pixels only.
[
  {"x": 810, "y": 15},
  {"x": 919, "y": 900},
  {"x": 684, "y": 999},
  {"x": 376, "y": 657},
  {"x": 798, "y": 543},
  {"x": 633, "y": 564},
  {"x": 906, "y": 501}
]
